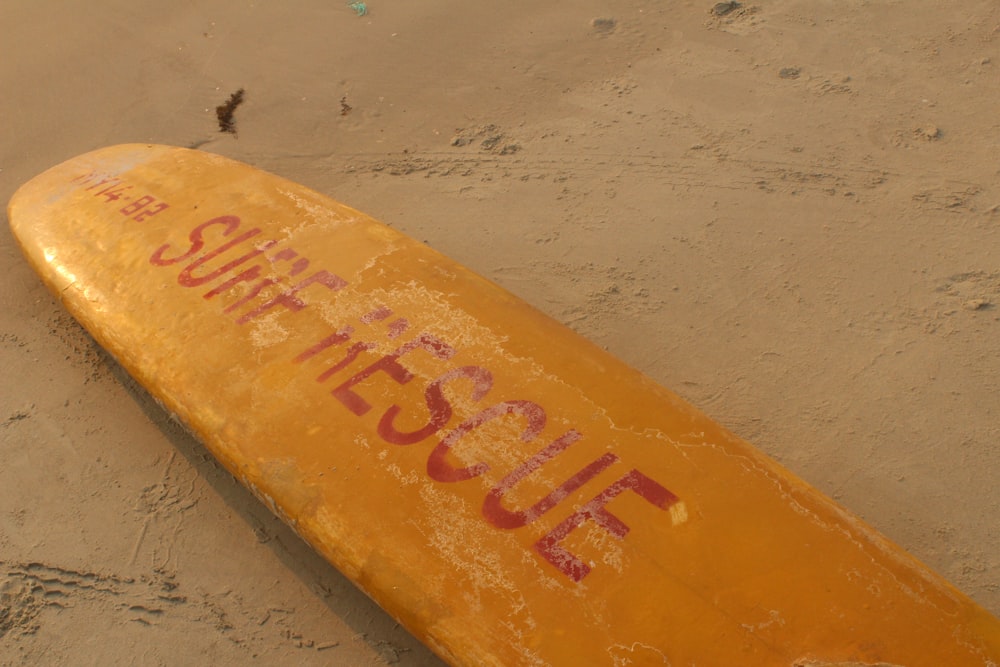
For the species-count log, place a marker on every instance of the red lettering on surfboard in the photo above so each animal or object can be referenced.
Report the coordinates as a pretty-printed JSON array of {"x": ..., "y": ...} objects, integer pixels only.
[
  {"x": 113, "y": 188},
  {"x": 247, "y": 276},
  {"x": 595, "y": 510},
  {"x": 440, "y": 411},
  {"x": 287, "y": 255},
  {"x": 195, "y": 273},
  {"x": 135, "y": 208},
  {"x": 336, "y": 338},
  {"x": 84, "y": 177},
  {"x": 352, "y": 353},
  {"x": 390, "y": 365},
  {"x": 501, "y": 517},
  {"x": 395, "y": 329},
  {"x": 437, "y": 405},
  {"x": 438, "y": 466},
  {"x": 136, "y": 204},
  {"x": 290, "y": 299},
  {"x": 109, "y": 187},
  {"x": 253, "y": 273},
  {"x": 187, "y": 276},
  {"x": 220, "y": 255}
]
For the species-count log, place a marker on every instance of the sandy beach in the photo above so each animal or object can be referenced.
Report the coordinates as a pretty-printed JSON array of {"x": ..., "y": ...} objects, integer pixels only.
[{"x": 786, "y": 211}]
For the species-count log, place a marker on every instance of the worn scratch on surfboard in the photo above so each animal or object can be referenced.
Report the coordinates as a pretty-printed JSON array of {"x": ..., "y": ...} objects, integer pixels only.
[
  {"x": 638, "y": 653},
  {"x": 267, "y": 331},
  {"x": 317, "y": 213}
]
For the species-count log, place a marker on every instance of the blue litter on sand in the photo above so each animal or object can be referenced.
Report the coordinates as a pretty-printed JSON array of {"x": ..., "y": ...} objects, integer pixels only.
[{"x": 360, "y": 7}]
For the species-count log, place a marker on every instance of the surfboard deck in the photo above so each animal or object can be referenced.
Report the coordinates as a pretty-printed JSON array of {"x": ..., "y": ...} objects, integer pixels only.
[{"x": 511, "y": 493}]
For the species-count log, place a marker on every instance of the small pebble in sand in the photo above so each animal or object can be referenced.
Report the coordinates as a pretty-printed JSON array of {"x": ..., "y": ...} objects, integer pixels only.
[
  {"x": 976, "y": 304},
  {"x": 927, "y": 132},
  {"x": 723, "y": 8},
  {"x": 604, "y": 25}
]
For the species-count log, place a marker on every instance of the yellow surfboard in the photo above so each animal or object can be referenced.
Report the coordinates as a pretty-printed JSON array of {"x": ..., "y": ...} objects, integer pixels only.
[{"x": 508, "y": 491}]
